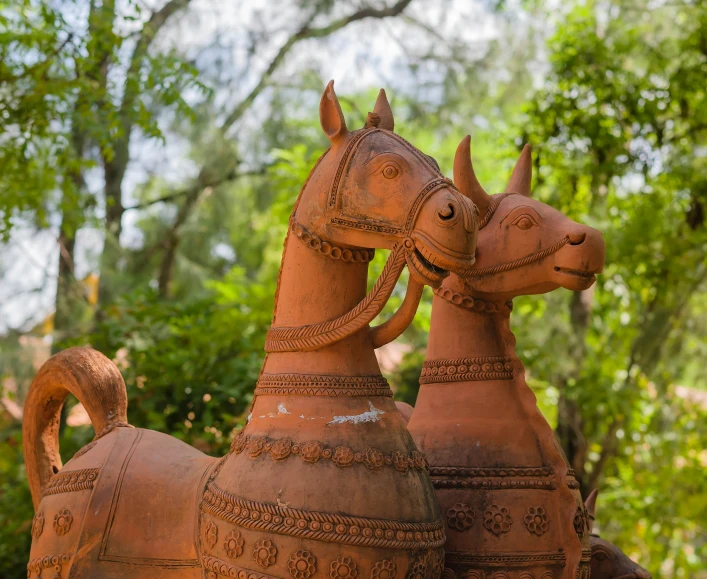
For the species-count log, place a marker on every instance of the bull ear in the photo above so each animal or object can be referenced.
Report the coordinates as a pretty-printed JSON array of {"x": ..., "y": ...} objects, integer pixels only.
[
  {"x": 384, "y": 112},
  {"x": 522, "y": 174},
  {"x": 330, "y": 115},
  {"x": 465, "y": 179},
  {"x": 591, "y": 504}
]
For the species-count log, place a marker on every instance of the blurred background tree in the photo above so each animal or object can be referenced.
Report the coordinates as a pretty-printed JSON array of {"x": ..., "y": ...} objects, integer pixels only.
[{"x": 151, "y": 153}]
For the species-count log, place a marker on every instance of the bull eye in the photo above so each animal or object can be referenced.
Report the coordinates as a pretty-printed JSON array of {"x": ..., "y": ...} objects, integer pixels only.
[
  {"x": 390, "y": 171},
  {"x": 524, "y": 222}
]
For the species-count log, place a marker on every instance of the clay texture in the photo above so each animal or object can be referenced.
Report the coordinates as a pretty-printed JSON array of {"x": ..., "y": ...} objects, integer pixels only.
[
  {"x": 324, "y": 480},
  {"x": 511, "y": 505}
]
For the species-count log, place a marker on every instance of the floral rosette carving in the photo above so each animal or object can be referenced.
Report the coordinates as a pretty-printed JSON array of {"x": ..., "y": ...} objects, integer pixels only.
[
  {"x": 281, "y": 449},
  {"x": 384, "y": 569},
  {"x": 497, "y": 520},
  {"x": 302, "y": 564},
  {"x": 311, "y": 451},
  {"x": 233, "y": 545},
  {"x": 257, "y": 445},
  {"x": 536, "y": 520},
  {"x": 418, "y": 569},
  {"x": 436, "y": 563},
  {"x": 343, "y": 456},
  {"x": 460, "y": 517},
  {"x": 37, "y": 524},
  {"x": 264, "y": 553},
  {"x": 343, "y": 567},
  {"x": 401, "y": 461},
  {"x": 211, "y": 534},
  {"x": 373, "y": 458},
  {"x": 62, "y": 522}
]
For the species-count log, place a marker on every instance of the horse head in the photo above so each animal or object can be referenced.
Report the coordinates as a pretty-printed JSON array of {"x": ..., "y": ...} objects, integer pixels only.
[{"x": 373, "y": 189}]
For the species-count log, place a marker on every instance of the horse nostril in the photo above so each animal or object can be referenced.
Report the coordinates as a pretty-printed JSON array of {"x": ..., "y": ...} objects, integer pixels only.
[
  {"x": 577, "y": 238},
  {"x": 447, "y": 212}
]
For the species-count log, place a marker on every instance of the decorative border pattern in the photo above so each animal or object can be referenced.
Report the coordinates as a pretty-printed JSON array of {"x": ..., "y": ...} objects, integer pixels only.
[
  {"x": 41, "y": 563},
  {"x": 453, "y": 477},
  {"x": 544, "y": 485},
  {"x": 354, "y": 255},
  {"x": 227, "y": 570},
  {"x": 75, "y": 480},
  {"x": 321, "y": 526},
  {"x": 367, "y": 226},
  {"x": 313, "y": 450},
  {"x": 473, "y": 303},
  {"x": 513, "y": 471},
  {"x": 500, "y": 559},
  {"x": 322, "y": 385},
  {"x": 467, "y": 369}
]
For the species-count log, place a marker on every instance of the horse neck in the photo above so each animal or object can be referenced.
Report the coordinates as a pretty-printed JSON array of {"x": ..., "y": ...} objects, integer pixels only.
[{"x": 314, "y": 288}]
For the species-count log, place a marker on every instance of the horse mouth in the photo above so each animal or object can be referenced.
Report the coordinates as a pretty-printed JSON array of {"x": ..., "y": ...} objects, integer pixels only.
[{"x": 424, "y": 270}]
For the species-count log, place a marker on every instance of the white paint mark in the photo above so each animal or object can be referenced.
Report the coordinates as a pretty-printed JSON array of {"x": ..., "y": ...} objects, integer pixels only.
[
  {"x": 370, "y": 416},
  {"x": 281, "y": 409},
  {"x": 301, "y": 416},
  {"x": 249, "y": 417}
]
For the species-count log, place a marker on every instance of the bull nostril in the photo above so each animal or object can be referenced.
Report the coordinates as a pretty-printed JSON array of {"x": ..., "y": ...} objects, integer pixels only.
[
  {"x": 577, "y": 238},
  {"x": 447, "y": 212}
]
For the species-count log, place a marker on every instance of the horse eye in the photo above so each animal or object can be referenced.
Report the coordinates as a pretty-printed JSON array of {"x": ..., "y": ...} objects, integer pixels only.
[{"x": 390, "y": 171}]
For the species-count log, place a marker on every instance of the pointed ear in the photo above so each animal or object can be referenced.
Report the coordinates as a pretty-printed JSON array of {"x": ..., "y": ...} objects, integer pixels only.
[
  {"x": 383, "y": 110},
  {"x": 522, "y": 174},
  {"x": 591, "y": 504},
  {"x": 330, "y": 115},
  {"x": 465, "y": 179}
]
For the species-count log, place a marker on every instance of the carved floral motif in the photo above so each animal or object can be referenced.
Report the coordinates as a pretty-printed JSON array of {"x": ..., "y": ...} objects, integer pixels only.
[
  {"x": 312, "y": 451},
  {"x": 536, "y": 520},
  {"x": 264, "y": 553},
  {"x": 467, "y": 369},
  {"x": 497, "y": 519},
  {"x": 302, "y": 564},
  {"x": 211, "y": 534},
  {"x": 460, "y": 517},
  {"x": 62, "y": 522},
  {"x": 37, "y": 524},
  {"x": 233, "y": 545},
  {"x": 39, "y": 564},
  {"x": 343, "y": 567},
  {"x": 418, "y": 569},
  {"x": 384, "y": 569},
  {"x": 579, "y": 522}
]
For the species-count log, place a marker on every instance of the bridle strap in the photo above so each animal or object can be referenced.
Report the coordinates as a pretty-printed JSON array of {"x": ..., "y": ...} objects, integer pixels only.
[
  {"x": 307, "y": 338},
  {"x": 523, "y": 261}
]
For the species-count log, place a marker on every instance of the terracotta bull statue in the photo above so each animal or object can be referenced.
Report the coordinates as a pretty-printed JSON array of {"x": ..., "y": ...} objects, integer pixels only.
[
  {"x": 511, "y": 505},
  {"x": 313, "y": 484},
  {"x": 608, "y": 561}
]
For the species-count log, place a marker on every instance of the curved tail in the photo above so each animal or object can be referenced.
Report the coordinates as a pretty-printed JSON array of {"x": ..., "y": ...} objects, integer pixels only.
[{"x": 98, "y": 385}]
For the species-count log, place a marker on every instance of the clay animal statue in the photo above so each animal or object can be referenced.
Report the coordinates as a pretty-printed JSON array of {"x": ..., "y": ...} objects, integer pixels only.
[
  {"x": 314, "y": 484},
  {"x": 511, "y": 505},
  {"x": 608, "y": 561}
]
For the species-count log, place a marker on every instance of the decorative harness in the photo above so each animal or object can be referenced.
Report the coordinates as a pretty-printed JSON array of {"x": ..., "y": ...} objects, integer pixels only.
[{"x": 315, "y": 336}]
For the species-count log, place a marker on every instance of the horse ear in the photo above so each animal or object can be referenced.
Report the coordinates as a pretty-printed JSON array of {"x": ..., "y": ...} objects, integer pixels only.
[
  {"x": 383, "y": 110},
  {"x": 330, "y": 115},
  {"x": 522, "y": 174},
  {"x": 465, "y": 179},
  {"x": 591, "y": 504}
]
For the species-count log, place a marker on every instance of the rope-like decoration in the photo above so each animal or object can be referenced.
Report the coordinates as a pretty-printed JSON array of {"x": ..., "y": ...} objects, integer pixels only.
[
  {"x": 307, "y": 338},
  {"x": 523, "y": 261},
  {"x": 495, "y": 202}
]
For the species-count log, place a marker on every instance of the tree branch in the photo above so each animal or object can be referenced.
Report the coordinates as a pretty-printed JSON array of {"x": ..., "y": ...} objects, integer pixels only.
[{"x": 305, "y": 33}]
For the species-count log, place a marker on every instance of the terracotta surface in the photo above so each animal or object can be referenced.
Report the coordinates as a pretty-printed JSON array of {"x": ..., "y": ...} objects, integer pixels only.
[
  {"x": 608, "y": 561},
  {"x": 511, "y": 506},
  {"x": 324, "y": 480}
]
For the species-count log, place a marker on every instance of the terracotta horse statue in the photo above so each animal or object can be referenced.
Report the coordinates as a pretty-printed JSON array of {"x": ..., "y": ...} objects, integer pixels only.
[
  {"x": 511, "y": 505},
  {"x": 313, "y": 485}
]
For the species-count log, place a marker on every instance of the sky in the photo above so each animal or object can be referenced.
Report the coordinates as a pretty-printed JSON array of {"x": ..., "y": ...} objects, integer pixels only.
[{"x": 215, "y": 34}]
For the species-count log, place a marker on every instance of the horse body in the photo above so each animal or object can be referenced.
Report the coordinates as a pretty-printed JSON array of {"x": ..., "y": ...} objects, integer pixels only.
[
  {"x": 511, "y": 504},
  {"x": 312, "y": 483}
]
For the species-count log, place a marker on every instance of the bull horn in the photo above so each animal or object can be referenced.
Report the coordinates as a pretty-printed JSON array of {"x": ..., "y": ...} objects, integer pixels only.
[
  {"x": 465, "y": 179},
  {"x": 522, "y": 174},
  {"x": 384, "y": 112},
  {"x": 591, "y": 504}
]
